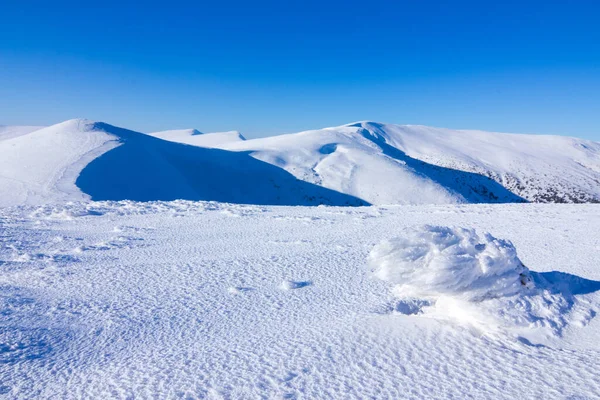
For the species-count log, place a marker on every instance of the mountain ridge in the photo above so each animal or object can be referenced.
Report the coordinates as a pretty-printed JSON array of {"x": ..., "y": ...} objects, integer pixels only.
[
  {"x": 537, "y": 168},
  {"x": 79, "y": 160},
  {"x": 359, "y": 163}
]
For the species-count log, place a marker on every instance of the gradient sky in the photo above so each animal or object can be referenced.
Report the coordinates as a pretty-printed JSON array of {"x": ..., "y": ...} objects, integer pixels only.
[{"x": 266, "y": 68}]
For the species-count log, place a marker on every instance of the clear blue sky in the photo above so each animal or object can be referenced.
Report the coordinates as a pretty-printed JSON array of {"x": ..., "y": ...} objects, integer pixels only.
[{"x": 272, "y": 67}]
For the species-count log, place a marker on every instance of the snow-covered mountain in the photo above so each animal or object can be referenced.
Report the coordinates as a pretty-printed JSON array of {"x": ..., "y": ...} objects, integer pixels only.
[
  {"x": 79, "y": 159},
  {"x": 354, "y": 164},
  {"x": 383, "y": 164},
  {"x": 197, "y": 138}
]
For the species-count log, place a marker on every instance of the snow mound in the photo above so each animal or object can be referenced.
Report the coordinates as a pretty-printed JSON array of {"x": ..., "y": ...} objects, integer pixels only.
[
  {"x": 41, "y": 165},
  {"x": 438, "y": 260},
  {"x": 456, "y": 274}
]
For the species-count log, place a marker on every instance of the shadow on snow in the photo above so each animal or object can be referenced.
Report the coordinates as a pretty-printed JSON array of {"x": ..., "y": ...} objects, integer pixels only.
[{"x": 473, "y": 187}]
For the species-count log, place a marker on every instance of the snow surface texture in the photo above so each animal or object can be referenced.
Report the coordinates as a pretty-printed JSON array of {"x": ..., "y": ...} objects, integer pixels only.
[
  {"x": 79, "y": 159},
  {"x": 407, "y": 164},
  {"x": 448, "y": 272},
  {"x": 210, "y": 300},
  {"x": 436, "y": 261}
]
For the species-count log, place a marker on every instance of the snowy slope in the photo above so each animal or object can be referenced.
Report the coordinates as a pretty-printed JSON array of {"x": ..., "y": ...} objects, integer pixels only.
[
  {"x": 539, "y": 168},
  {"x": 9, "y": 132},
  {"x": 359, "y": 163},
  {"x": 197, "y": 138},
  {"x": 351, "y": 160},
  {"x": 217, "y": 301},
  {"x": 42, "y": 165},
  {"x": 79, "y": 159},
  {"x": 395, "y": 164}
]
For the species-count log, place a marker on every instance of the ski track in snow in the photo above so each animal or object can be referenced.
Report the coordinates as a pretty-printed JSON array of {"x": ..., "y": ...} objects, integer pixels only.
[{"x": 210, "y": 300}]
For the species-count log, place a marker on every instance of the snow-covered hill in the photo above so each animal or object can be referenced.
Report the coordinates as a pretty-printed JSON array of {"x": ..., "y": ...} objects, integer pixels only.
[
  {"x": 197, "y": 138},
  {"x": 354, "y": 164},
  {"x": 397, "y": 164},
  {"x": 79, "y": 159},
  {"x": 9, "y": 132}
]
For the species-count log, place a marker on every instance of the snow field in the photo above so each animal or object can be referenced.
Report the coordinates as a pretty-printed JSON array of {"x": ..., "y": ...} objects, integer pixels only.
[{"x": 211, "y": 300}]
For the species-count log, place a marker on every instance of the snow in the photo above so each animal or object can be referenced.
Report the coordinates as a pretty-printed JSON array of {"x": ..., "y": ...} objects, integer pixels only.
[
  {"x": 355, "y": 164},
  {"x": 438, "y": 260},
  {"x": 196, "y": 138},
  {"x": 344, "y": 161},
  {"x": 42, "y": 165},
  {"x": 541, "y": 168},
  {"x": 81, "y": 159},
  {"x": 9, "y": 132},
  {"x": 173, "y": 265},
  {"x": 407, "y": 164},
  {"x": 449, "y": 272},
  {"x": 214, "y": 300}
]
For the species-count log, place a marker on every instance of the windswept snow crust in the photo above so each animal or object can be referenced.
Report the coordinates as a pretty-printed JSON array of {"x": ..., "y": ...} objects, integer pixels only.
[
  {"x": 455, "y": 273},
  {"x": 437, "y": 260},
  {"x": 212, "y": 300}
]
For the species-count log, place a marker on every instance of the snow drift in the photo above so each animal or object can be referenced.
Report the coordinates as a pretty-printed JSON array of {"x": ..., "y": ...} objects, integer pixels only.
[
  {"x": 81, "y": 159},
  {"x": 438, "y": 260},
  {"x": 455, "y": 273}
]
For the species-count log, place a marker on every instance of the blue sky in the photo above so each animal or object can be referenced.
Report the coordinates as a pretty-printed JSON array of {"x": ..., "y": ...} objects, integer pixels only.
[{"x": 272, "y": 67}]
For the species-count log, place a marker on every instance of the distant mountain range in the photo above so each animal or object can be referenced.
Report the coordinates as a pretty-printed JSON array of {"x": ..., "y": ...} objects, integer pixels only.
[{"x": 356, "y": 164}]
